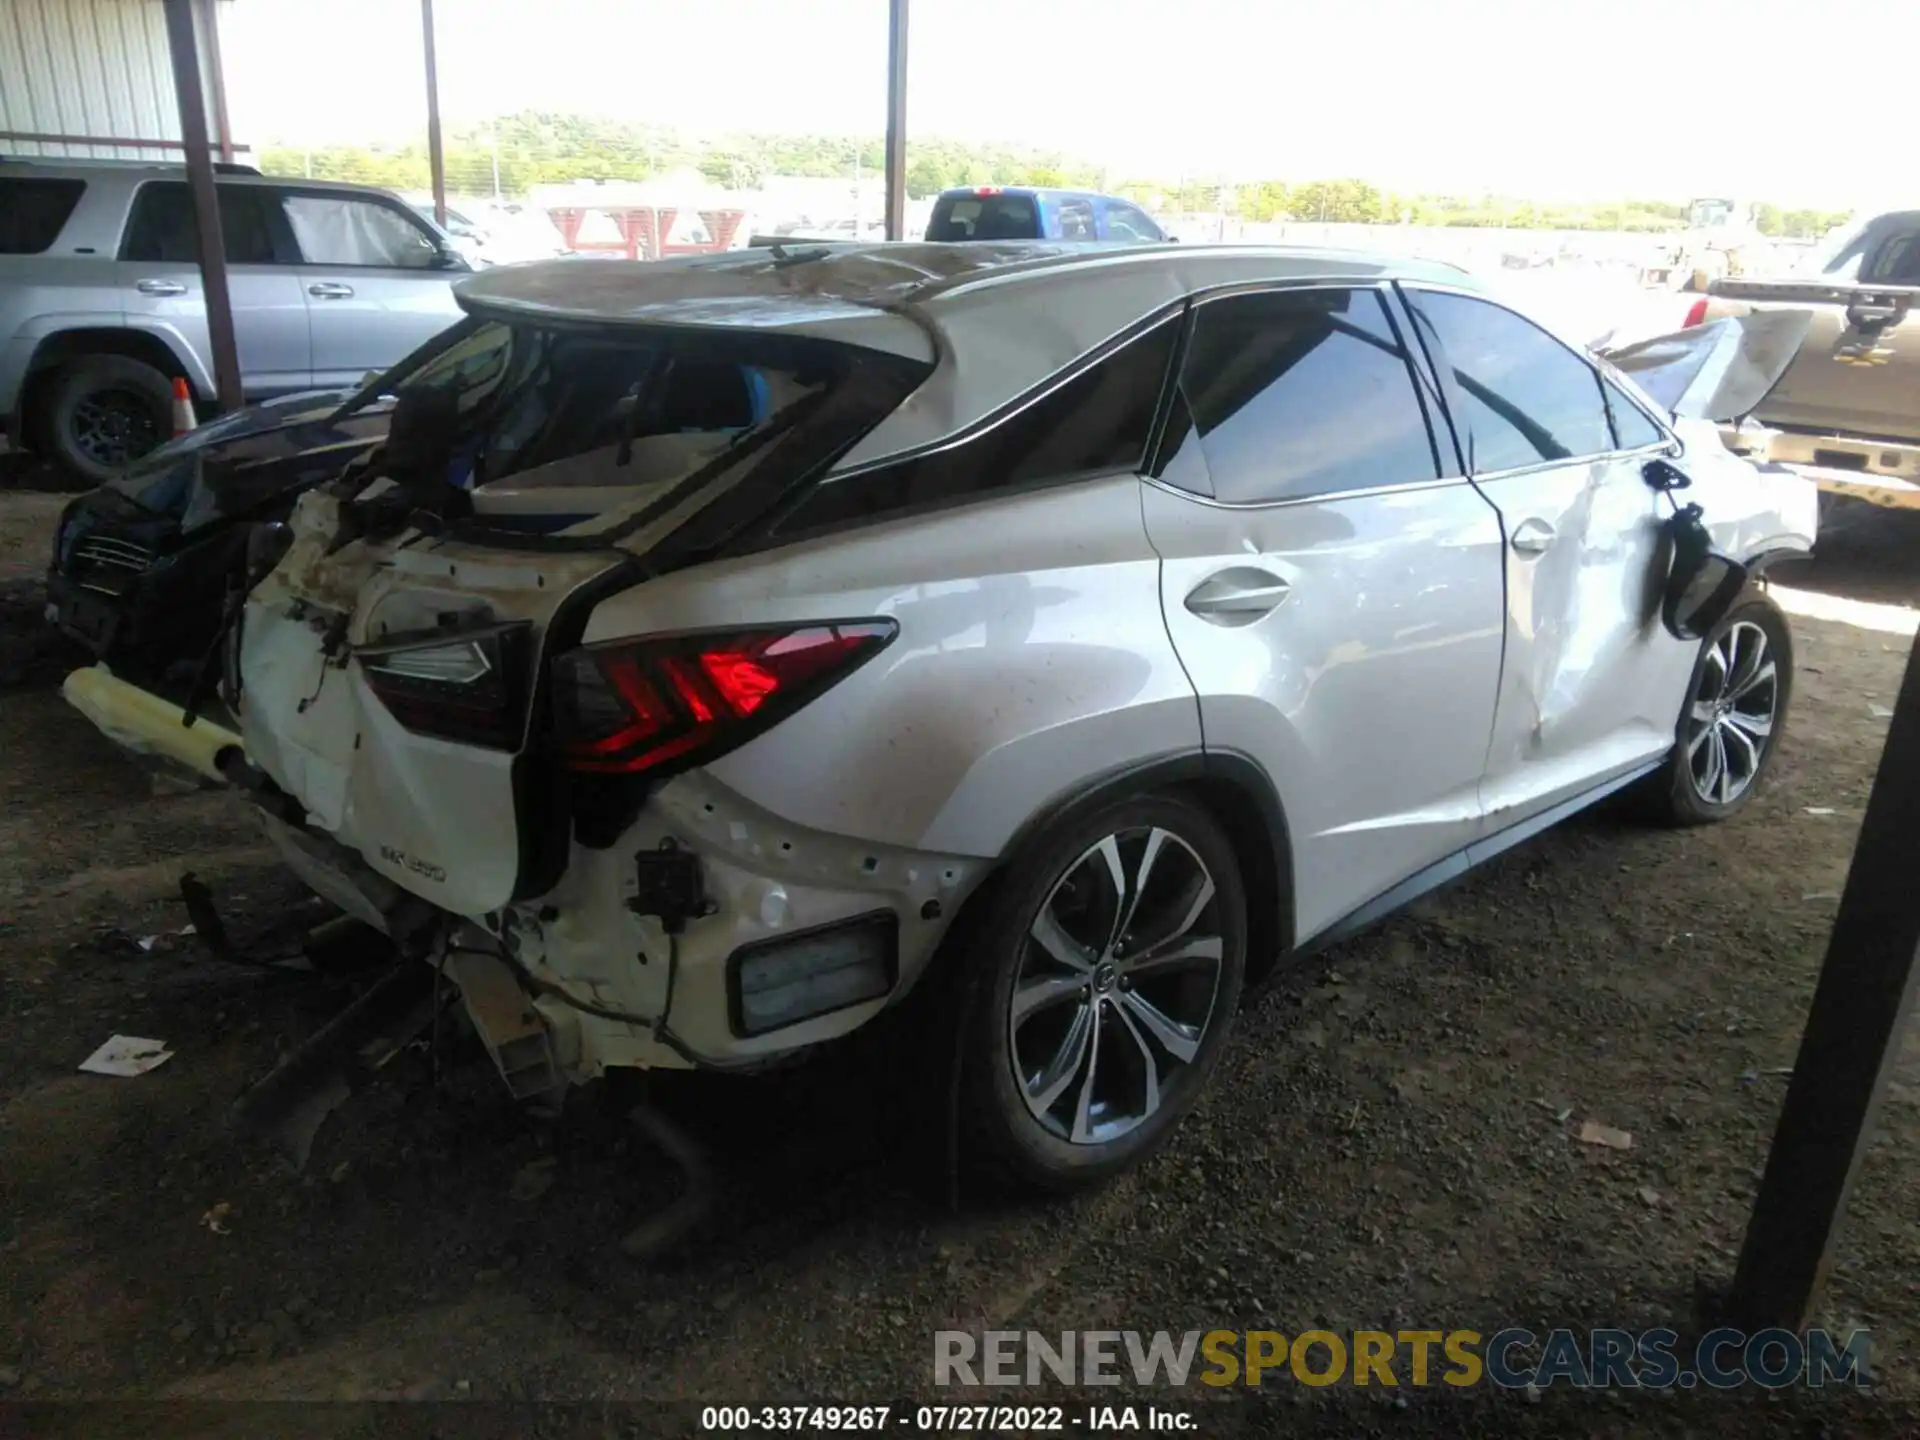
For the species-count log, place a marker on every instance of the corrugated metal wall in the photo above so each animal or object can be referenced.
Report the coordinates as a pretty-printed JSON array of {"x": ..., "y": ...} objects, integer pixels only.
[{"x": 89, "y": 67}]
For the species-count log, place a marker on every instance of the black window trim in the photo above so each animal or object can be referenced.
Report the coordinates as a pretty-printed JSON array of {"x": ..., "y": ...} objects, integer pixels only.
[
  {"x": 1430, "y": 339},
  {"x": 1376, "y": 282},
  {"x": 765, "y": 534}
]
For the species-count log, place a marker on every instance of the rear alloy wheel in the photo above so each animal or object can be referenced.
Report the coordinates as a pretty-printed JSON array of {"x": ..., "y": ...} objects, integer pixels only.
[
  {"x": 1117, "y": 970},
  {"x": 1735, "y": 713},
  {"x": 105, "y": 412}
]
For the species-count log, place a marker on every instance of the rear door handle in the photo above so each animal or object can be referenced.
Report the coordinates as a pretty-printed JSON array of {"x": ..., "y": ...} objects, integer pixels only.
[
  {"x": 160, "y": 287},
  {"x": 1533, "y": 536},
  {"x": 1238, "y": 596},
  {"x": 330, "y": 290}
]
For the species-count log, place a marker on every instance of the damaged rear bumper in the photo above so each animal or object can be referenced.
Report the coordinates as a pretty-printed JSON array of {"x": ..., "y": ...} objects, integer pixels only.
[{"x": 789, "y": 939}]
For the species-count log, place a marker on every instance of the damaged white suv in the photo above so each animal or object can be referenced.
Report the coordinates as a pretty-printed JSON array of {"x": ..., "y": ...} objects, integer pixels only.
[{"x": 723, "y": 647}]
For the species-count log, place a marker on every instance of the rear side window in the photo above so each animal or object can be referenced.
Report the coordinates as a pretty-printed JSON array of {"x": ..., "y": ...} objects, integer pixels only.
[
  {"x": 162, "y": 230},
  {"x": 985, "y": 217},
  {"x": 32, "y": 213},
  {"x": 1898, "y": 262},
  {"x": 1298, "y": 393},
  {"x": 340, "y": 230},
  {"x": 1526, "y": 398},
  {"x": 1097, "y": 422}
]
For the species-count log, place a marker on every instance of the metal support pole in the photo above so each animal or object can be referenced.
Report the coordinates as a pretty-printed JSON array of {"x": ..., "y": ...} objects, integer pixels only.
[
  {"x": 184, "y": 45},
  {"x": 1862, "y": 1003},
  {"x": 436, "y": 159},
  {"x": 217, "y": 75},
  {"x": 897, "y": 120}
]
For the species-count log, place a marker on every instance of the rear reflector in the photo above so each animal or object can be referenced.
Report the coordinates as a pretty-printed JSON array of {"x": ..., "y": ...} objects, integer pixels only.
[
  {"x": 1696, "y": 314},
  {"x": 466, "y": 688},
  {"x": 783, "y": 981},
  {"x": 679, "y": 700}
]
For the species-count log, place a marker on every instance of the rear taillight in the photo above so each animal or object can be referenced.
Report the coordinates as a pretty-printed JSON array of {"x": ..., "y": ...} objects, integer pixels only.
[
  {"x": 467, "y": 688},
  {"x": 679, "y": 700},
  {"x": 1696, "y": 314}
]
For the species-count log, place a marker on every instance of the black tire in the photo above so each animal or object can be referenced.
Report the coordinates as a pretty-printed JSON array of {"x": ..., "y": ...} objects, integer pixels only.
[
  {"x": 104, "y": 412},
  {"x": 1676, "y": 794},
  {"x": 1006, "y": 1144}
]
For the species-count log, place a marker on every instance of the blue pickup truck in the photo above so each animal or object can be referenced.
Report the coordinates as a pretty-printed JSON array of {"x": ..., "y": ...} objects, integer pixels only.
[{"x": 993, "y": 212}]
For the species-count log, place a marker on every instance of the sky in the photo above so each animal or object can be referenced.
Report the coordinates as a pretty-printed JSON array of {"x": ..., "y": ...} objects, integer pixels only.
[{"x": 1549, "y": 99}]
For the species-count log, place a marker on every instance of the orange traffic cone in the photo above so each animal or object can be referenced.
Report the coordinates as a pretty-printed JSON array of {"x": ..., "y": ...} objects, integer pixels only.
[{"x": 183, "y": 416}]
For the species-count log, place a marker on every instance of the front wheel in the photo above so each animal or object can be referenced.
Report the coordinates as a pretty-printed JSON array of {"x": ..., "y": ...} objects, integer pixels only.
[
  {"x": 1734, "y": 716},
  {"x": 1115, "y": 956}
]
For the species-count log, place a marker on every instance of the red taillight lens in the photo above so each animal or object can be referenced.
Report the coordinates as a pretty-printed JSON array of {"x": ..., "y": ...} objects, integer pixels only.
[
  {"x": 639, "y": 705},
  {"x": 465, "y": 688},
  {"x": 1696, "y": 314}
]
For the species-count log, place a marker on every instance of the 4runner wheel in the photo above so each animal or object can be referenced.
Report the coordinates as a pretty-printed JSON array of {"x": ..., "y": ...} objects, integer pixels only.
[
  {"x": 1735, "y": 713},
  {"x": 106, "y": 411},
  {"x": 1116, "y": 956}
]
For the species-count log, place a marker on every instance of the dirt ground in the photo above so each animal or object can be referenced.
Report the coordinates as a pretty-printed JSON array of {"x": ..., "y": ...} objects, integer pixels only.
[{"x": 1389, "y": 1144}]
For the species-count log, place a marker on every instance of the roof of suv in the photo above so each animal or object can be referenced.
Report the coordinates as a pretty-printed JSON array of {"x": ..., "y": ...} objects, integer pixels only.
[
  {"x": 810, "y": 285},
  {"x": 1020, "y": 311},
  {"x": 135, "y": 171}
]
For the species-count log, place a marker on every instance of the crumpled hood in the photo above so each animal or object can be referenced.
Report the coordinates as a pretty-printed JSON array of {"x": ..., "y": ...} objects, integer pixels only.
[
  {"x": 234, "y": 463},
  {"x": 1720, "y": 371}
]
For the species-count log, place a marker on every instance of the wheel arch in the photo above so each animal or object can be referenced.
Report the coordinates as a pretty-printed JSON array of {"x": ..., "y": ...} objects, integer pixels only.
[
  {"x": 1233, "y": 789},
  {"x": 52, "y": 354}
]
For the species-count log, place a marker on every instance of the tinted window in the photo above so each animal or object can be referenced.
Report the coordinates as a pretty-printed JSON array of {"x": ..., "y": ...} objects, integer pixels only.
[
  {"x": 1525, "y": 397},
  {"x": 162, "y": 229},
  {"x": 1303, "y": 392},
  {"x": 1126, "y": 222},
  {"x": 1076, "y": 220},
  {"x": 1631, "y": 427},
  {"x": 985, "y": 217},
  {"x": 1898, "y": 262},
  {"x": 32, "y": 212},
  {"x": 338, "y": 230},
  {"x": 1096, "y": 422}
]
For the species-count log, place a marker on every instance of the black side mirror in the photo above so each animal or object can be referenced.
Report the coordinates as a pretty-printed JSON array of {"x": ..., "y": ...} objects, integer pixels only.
[
  {"x": 1702, "y": 584},
  {"x": 1664, "y": 475}
]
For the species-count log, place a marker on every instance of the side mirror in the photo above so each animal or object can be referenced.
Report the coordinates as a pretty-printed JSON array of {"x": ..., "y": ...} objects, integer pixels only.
[
  {"x": 1702, "y": 584},
  {"x": 421, "y": 435}
]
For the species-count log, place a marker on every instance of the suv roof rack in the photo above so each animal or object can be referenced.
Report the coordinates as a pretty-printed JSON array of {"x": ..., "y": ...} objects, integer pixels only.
[{"x": 63, "y": 162}]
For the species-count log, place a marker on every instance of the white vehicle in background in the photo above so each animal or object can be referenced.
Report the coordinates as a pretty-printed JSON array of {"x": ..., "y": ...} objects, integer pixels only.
[
  {"x": 490, "y": 233},
  {"x": 1071, "y": 628}
]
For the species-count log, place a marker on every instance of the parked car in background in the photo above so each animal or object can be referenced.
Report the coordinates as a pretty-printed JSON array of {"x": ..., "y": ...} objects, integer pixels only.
[
  {"x": 1072, "y": 630},
  {"x": 1850, "y": 401},
  {"x": 101, "y": 306},
  {"x": 996, "y": 212},
  {"x": 502, "y": 233}
]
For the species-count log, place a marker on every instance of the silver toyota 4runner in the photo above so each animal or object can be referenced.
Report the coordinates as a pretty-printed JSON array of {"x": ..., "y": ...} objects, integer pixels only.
[{"x": 101, "y": 305}]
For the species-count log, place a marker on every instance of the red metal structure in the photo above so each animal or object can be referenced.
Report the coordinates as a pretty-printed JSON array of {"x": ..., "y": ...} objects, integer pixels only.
[{"x": 645, "y": 230}]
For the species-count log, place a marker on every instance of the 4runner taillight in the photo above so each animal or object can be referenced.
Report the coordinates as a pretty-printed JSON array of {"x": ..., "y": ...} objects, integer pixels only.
[
  {"x": 638, "y": 705},
  {"x": 1696, "y": 314},
  {"x": 468, "y": 688}
]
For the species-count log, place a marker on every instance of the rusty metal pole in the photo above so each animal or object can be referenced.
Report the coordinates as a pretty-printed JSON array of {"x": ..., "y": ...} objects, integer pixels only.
[
  {"x": 897, "y": 120},
  {"x": 1862, "y": 1004},
  {"x": 436, "y": 159},
  {"x": 183, "y": 42}
]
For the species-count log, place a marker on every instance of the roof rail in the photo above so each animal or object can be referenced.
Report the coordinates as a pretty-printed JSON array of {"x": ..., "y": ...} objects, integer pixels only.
[{"x": 65, "y": 162}]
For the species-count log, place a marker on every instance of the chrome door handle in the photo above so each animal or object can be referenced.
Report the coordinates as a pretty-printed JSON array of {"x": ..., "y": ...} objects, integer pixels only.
[
  {"x": 1532, "y": 537},
  {"x": 1238, "y": 596},
  {"x": 330, "y": 290},
  {"x": 160, "y": 287}
]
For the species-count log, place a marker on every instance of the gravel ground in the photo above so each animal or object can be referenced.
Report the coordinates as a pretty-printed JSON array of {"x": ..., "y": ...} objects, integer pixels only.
[{"x": 1389, "y": 1143}]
